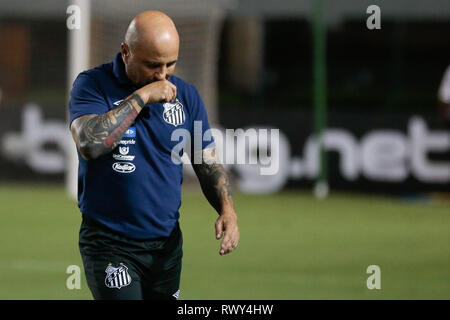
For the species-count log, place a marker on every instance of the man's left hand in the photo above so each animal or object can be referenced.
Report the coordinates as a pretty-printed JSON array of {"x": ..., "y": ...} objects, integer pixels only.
[{"x": 227, "y": 227}]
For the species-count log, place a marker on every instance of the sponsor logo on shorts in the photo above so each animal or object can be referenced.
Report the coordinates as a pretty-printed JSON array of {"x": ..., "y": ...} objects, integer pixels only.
[
  {"x": 176, "y": 294},
  {"x": 123, "y": 167},
  {"x": 117, "y": 277}
]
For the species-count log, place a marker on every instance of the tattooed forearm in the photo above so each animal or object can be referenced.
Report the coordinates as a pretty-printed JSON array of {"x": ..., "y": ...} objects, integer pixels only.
[
  {"x": 214, "y": 181},
  {"x": 96, "y": 135}
]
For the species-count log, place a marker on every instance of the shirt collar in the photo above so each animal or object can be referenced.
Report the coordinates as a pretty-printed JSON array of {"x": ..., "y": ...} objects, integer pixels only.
[{"x": 119, "y": 71}]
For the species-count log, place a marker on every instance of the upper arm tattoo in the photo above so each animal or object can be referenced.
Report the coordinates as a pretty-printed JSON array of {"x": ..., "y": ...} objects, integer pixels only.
[
  {"x": 214, "y": 180},
  {"x": 100, "y": 134}
]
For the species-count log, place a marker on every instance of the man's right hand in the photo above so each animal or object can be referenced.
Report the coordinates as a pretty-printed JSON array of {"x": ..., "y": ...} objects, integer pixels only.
[{"x": 158, "y": 91}]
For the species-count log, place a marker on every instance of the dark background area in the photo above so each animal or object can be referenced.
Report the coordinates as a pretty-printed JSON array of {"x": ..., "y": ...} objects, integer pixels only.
[{"x": 395, "y": 69}]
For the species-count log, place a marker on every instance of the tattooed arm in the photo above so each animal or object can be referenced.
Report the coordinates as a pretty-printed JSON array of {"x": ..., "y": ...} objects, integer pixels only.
[
  {"x": 96, "y": 135},
  {"x": 215, "y": 185}
]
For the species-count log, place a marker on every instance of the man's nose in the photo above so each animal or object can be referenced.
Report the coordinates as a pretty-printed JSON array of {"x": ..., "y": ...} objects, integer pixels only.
[{"x": 161, "y": 73}]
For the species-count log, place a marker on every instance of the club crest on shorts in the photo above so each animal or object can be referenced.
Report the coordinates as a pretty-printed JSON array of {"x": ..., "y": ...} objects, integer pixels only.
[
  {"x": 173, "y": 113},
  {"x": 117, "y": 277}
]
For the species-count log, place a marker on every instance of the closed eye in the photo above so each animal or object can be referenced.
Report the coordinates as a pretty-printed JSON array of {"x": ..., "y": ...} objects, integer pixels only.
[
  {"x": 154, "y": 65},
  {"x": 171, "y": 63}
]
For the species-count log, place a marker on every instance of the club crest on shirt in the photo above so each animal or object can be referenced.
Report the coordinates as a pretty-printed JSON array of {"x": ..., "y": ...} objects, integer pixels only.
[
  {"x": 173, "y": 113},
  {"x": 117, "y": 277}
]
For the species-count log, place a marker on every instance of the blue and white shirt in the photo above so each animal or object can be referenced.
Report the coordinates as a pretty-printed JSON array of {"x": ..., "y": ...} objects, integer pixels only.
[{"x": 136, "y": 188}]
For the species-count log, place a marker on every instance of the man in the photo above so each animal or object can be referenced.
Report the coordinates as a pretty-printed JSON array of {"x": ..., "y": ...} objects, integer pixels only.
[{"x": 122, "y": 117}]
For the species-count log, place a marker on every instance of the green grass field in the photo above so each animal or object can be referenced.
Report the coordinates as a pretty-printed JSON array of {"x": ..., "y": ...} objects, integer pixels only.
[{"x": 292, "y": 247}]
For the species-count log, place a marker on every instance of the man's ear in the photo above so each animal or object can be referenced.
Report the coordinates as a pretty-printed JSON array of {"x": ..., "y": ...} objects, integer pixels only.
[{"x": 125, "y": 52}]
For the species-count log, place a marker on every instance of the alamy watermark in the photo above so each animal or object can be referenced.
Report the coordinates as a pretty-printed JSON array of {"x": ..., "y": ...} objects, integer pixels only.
[
  {"x": 374, "y": 281},
  {"x": 374, "y": 20},
  {"x": 234, "y": 146},
  {"x": 73, "y": 21},
  {"x": 74, "y": 280}
]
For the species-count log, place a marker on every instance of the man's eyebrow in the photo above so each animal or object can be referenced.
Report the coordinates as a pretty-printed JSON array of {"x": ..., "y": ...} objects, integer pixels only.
[{"x": 157, "y": 63}]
